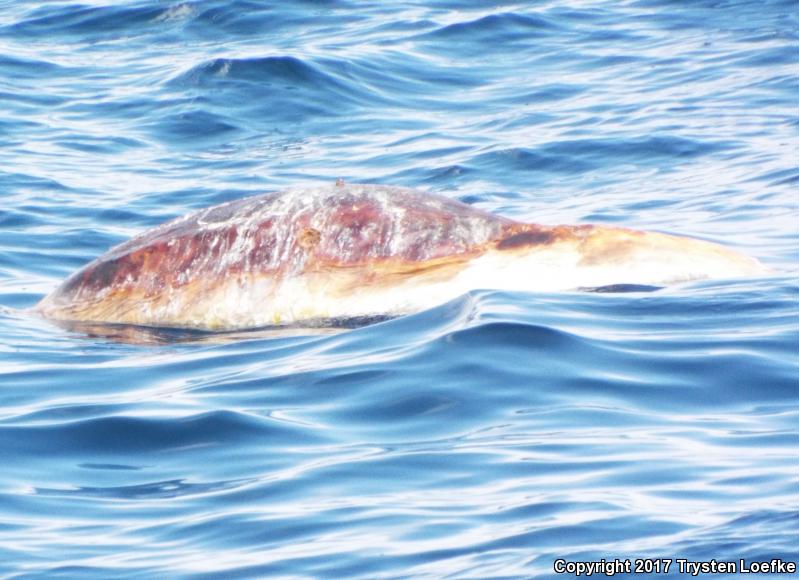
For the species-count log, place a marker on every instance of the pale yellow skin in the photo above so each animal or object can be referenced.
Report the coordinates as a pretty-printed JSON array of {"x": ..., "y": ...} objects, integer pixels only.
[{"x": 343, "y": 251}]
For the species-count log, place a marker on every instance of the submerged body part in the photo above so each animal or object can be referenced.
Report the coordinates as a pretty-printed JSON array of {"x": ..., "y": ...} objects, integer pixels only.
[{"x": 352, "y": 250}]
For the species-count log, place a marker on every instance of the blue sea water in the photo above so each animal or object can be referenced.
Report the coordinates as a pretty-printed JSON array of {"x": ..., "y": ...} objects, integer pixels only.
[{"x": 485, "y": 438}]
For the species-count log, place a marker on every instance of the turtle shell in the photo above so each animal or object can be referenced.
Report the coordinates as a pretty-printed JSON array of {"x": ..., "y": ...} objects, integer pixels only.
[{"x": 283, "y": 235}]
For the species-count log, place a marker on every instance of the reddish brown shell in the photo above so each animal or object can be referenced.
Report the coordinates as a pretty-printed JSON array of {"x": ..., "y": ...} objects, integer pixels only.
[{"x": 374, "y": 231}]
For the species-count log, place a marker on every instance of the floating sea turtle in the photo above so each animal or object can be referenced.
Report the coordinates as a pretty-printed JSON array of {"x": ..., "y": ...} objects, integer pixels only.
[{"x": 341, "y": 251}]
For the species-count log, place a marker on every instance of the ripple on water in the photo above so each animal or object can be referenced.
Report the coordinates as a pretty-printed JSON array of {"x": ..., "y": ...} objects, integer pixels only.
[{"x": 482, "y": 438}]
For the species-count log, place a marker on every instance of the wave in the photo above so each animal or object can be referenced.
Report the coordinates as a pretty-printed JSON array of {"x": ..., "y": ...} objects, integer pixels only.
[
  {"x": 286, "y": 69},
  {"x": 506, "y": 26},
  {"x": 138, "y": 437},
  {"x": 87, "y": 22},
  {"x": 579, "y": 156}
]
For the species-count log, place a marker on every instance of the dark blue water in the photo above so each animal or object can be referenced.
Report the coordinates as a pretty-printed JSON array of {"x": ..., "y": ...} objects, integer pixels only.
[{"x": 484, "y": 438}]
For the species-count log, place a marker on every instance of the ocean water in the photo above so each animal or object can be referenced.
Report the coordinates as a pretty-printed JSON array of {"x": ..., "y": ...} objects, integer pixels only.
[{"x": 485, "y": 438}]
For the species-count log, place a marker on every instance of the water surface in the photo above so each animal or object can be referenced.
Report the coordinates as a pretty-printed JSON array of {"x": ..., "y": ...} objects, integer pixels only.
[{"x": 483, "y": 438}]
